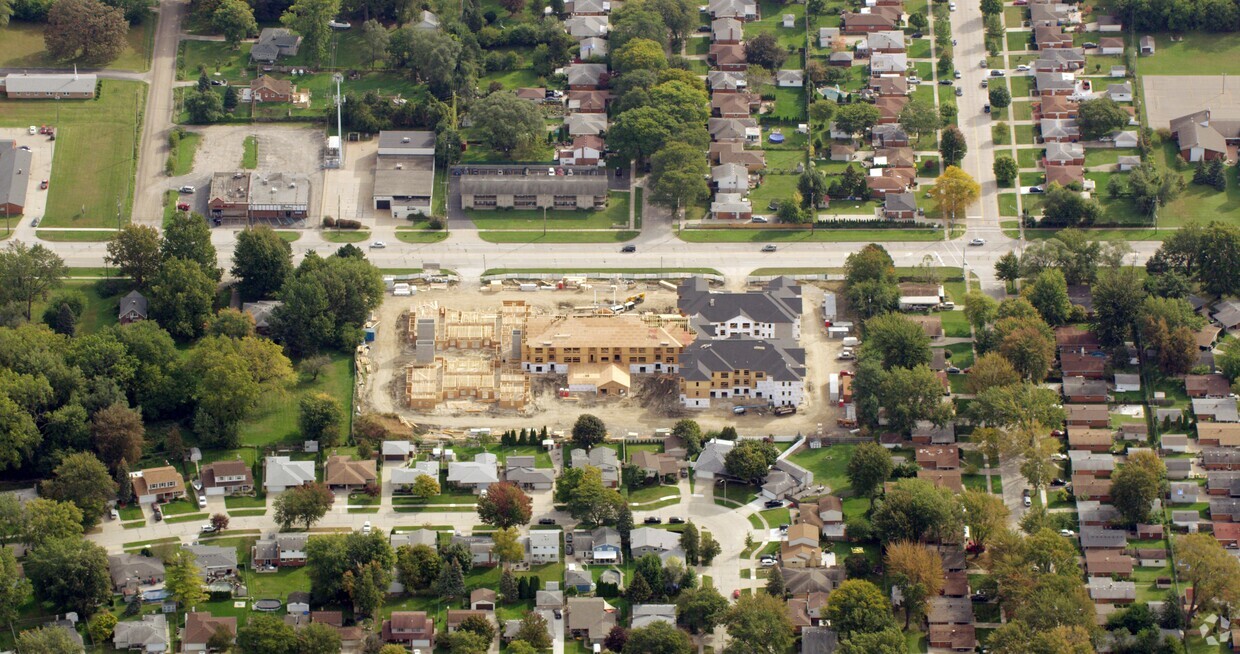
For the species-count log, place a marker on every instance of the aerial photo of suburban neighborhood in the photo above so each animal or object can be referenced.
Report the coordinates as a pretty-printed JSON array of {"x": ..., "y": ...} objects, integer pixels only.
[{"x": 619, "y": 326}]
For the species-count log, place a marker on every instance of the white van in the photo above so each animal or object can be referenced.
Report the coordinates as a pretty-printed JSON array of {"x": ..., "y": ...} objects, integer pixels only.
[{"x": 850, "y": 341}]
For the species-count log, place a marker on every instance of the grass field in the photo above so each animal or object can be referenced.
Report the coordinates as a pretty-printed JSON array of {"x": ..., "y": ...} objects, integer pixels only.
[
  {"x": 275, "y": 420},
  {"x": 249, "y": 158},
  {"x": 345, "y": 237},
  {"x": 829, "y": 465},
  {"x": 98, "y": 312},
  {"x": 508, "y": 236},
  {"x": 1197, "y": 203},
  {"x": 21, "y": 46},
  {"x": 1196, "y": 54},
  {"x": 94, "y": 163},
  {"x": 817, "y": 236},
  {"x": 616, "y": 214},
  {"x": 183, "y": 161},
  {"x": 76, "y": 236}
]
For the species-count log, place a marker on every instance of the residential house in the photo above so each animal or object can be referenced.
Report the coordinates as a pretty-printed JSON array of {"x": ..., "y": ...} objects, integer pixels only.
[
  {"x": 279, "y": 551},
  {"x": 955, "y": 637},
  {"x": 744, "y": 10},
  {"x": 900, "y": 206},
  {"x": 643, "y": 615},
  {"x": 728, "y": 56},
  {"x": 727, "y": 31},
  {"x": 521, "y": 470},
  {"x": 1108, "y": 591},
  {"x": 1101, "y": 538},
  {"x": 1089, "y": 487},
  {"x": 1055, "y": 83},
  {"x": 1215, "y": 409},
  {"x": 949, "y": 479},
  {"x": 585, "y": 150},
  {"x": 266, "y": 88},
  {"x": 603, "y": 458},
  {"x": 1065, "y": 175},
  {"x": 1213, "y": 385},
  {"x": 201, "y": 627},
  {"x": 281, "y": 473},
  {"x": 1051, "y": 36},
  {"x": 726, "y": 81},
  {"x": 273, "y": 43},
  {"x": 1055, "y": 60},
  {"x": 1063, "y": 131},
  {"x": 586, "y": 76},
  {"x": 785, "y": 479},
  {"x": 150, "y": 634},
  {"x": 585, "y": 27},
  {"x": 1098, "y": 465},
  {"x": 404, "y": 477},
  {"x": 428, "y": 537},
  {"x": 590, "y": 618},
  {"x": 885, "y": 85},
  {"x": 154, "y": 485},
  {"x": 1184, "y": 492},
  {"x": 710, "y": 461},
  {"x": 231, "y": 477},
  {"x": 343, "y": 473},
  {"x": 215, "y": 562},
  {"x": 1220, "y": 458},
  {"x": 1179, "y": 468},
  {"x": 800, "y": 549},
  {"x": 543, "y": 546},
  {"x": 655, "y": 464},
  {"x": 734, "y": 105},
  {"x": 827, "y": 514},
  {"x": 827, "y": 37},
  {"x": 578, "y": 124},
  {"x": 133, "y": 306},
  {"x": 412, "y": 629},
  {"x": 790, "y": 78},
  {"x": 1225, "y": 509},
  {"x": 1079, "y": 390},
  {"x": 1088, "y": 415},
  {"x": 1064, "y": 154},
  {"x": 592, "y": 48},
  {"x": 1218, "y": 434},
  {"x": 888, "y": 62},
  {"x": 920, "y": 296},
  {"x": 734, "y": 129},
  {"x": 1090, "y": 440},
  {"x": 1223, "y": 483},
  {"x": 587, "y": 7},
  {"x": 1121, "y": 92},
  {"x": 1096, "y": 514},
  {"x": 949, "y": 610},
  {"x": 889, "y": 136},
  {"x": 650, "y": 540},
  {"x": 601, "y": 545},
  {"x": 927, "y": 433},
  {"x": 1173, "y": 443},
  {"x": 731, "y": 206},
  {"x": 864, "y": 22},
  {"x": 730, "y": 178},
  {"x": 129, "y": 572},
  {"x": 476, "y": 475},
  {"x": 806, "y": 581},
  {"x": 1057, "y": 107},
  {"x": 481, "y": 548},
  {"x": 888, "y": 41},
  {"x": 939, "y": 457},
  {"x": 1227, "y": 534},
  {"x": 732, "y": 152},
  {"x": 398, "y": 450},
  {"x": 889, "y": 108}
]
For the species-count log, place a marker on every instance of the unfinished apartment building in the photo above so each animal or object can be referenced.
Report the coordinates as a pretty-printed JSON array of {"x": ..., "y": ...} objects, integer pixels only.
[{"x": 466, "y": 356}]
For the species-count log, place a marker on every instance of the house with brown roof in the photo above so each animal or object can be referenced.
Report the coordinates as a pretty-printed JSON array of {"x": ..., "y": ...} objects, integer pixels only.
[
  {"x": 827, "y": 515},
  {"x": 412, "y": 629},
  {"x": 949, "y": 479},
  {"x": 344, "y": 473},
  {"x": 728, "y": 56},
  {"x": 1202, "y": 138},
  {"x": 956, "y": 637},
  {"x": 732, "y": 152},
  {"x": 1090, "y": 440},
  {"x": 590, "y": 618},
  {"x": 266, "y": 88},
  {"x": 227, "y": 478},
  {"x": 884, "y": 85},
  {"x": 1108, "y": 563},
  {"x": 1218, "y": 434},
  {"x": 931, "y": 325},
  {"x": 1227, "y": 534},
  {"x": 955, "y": 583},
  {"x": 949, "y": 611},
  {"x": 1051, "y": 36},
  {"x": 1212, "y": 385},
  {"x": 1064, "y": 175},
  {"x": 1089, "y": 487},
  {"x": 939, "y": 457},
  {"x": 1073, "y": 364},
  {"x": 801, "y": 549},
  {"x": 201, "y": 627},
  {"x": 655, "y": 464},
  {"x": 1057, "y": 107},
  {"x": 160, "y": 484},
  {"x": 865, "y": 22},
  {"x": 1075, "y": 339},
  {"x": 734, "y": 105},
  {"x": 889, "y": 108}
]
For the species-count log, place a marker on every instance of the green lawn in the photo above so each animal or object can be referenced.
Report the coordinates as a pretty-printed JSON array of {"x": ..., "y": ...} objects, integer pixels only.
[
  {"x": 352, "y": 236},
  {"x": 1022, "y": 111},
  {"x": 75, "y": 236},
  {"x": 21, "y": 46},
  {"x": 249, "y": 158},
  {"x": 93, "y": 165},
  {"x": 179, "y": 507},
  {"x": 1024, "y": 135},
  {"x": 1007, "y": 204},
  {"x": 653, "y": 493},
  {"x": 789, "y": 104},
  {"x": 777, "y": 517},
  {"x": 420, "y": 235},
  {"x": 131, "y": 512},
  {"x": 100, "y": 311},
  {"x": 183, "y": 157},
  {"x": 961, "y": 355},
  {"x": 1198, "y": 203},
  {"x": 955, "y": 325},
  {"x": 1103, "y": 156},
  {"x": 1017, "y": 41},
  {"x": 615, "y": 215},
  {"x": 1022, "y": 86},
  {"x": 1028, "y": 157},
  {"x": 772, "y": 21},
  {"x": 1196, "y": 54},
  {"x": 510, "y": 79},
  {"x": 816, "y": 236},
  {"x": 275, "y": 420},
  {"x": 509, "y": 236},
  {"x": 829, "y": 465}
]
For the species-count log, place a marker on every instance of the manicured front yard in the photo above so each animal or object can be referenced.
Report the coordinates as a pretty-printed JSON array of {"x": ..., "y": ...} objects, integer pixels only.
[
  {"x": 829, "y": 465},
  {"x": 616, "y": 214}
]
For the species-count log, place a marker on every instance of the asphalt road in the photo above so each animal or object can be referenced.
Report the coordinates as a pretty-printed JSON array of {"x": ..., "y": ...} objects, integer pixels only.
[{"x": 969, "y": 51}]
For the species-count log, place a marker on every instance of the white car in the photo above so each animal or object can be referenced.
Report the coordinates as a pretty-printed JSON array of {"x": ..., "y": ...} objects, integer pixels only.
[
  {"x": 32, "y": 130},
  {"x": 378, "y": 245},
  {"x": 207, "y": 528},
  {"x": 186, "y": 189},
  {"x": 978, "y": 241},
  {"x": 1022, "y": 68},
  {"x": 339, "y": 24},
  {"x": 1028, "y": 502},
  {"x": 951, "y": 6},
  {"x": 366, "y": 527},
  {"x": 1067, "y": 533}
]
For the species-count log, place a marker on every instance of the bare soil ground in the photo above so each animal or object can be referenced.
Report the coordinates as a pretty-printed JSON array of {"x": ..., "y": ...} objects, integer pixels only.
[{"x": 654, "y": 402}]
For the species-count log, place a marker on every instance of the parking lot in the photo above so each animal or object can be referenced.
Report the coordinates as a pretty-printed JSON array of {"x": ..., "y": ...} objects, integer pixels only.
[
  {"x": 41, "y": 149},
  {"x": 1169, "y": 97},
  {"x": 281, "y": 149}
]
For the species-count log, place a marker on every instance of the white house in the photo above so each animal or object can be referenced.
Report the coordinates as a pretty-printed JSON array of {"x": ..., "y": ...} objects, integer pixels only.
[
  {"x": 543, "y": 546},
  {"x": 1120, "y": 92},
  {"x": 405, "y": 476},
  {"x": 1124, "y": 139},
  {"x": 478, "y": 474},
  {"x": 282, "y": 473},
  {"x": 791, "y": 78}
]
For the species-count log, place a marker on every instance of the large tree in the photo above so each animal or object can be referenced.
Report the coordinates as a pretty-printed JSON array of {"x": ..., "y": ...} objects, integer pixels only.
[
  {"x": 266, "y": 634},
  {"x": 763, "y": 49},
  {"x": 505, "y": 505},
  {"x": 506, "y": 123},
  {"x": 71, "y": 574},
  {"x": 678, "y": 175},
  {"x": 638, "y": 54},
  {"x": 325, "y": 303},
  {"x": 1048, "y": 293},
  {"x": 701, "y": 609},
  {"x": 47, "y": 640},
  {"x": 984, "y": 514},
  {"x": 303, "y": 504},
  {"x": 1065, "y": 207},
  {"x": 1100, "y": 117},
  {"x": 429, "y": 56},
  {"x": 918, "y": 573},
  {"x": 1118, "y": 296},
  {"x": 657, "y": 638},
  {"x": 954, "y": 191},
  {"x": 181, "y": 297},
  {"x": 187, "y": 236},
  {"x": 915, "y": 510},
  {"x": 856, "y": 118},
  {"x": 310, "y": 18},
  {"x": 869, "y": 466},
  {"x": 29, "y": 273},
  {"x": 84, "y": 480},
  {"x": 1137, "y": 484},
  {"x": 759, "y": 624},
  {"x": 235, "y": 20},
  {"x": 588, "y": 431},
  {"x": 417, "y": 567},
  {"x": 858, "y": 606},
  {"x": 750, "y": 460},
  {"x": 261, "y": 262},
  {"x": 897, "y": 341},
  {"x": 119, "y": 434},
  {"x": 321, "y": 418},
  {"x": 14, "y": 586},
  {"x": 920, "y": 117},
  {"x": 1212, "y": 573},
  {"x": 87, "y": 31},
  {"x": 134, "y": 250},
  {"x": 952, "y": 146},
  {"x": 183, "y": 579}
]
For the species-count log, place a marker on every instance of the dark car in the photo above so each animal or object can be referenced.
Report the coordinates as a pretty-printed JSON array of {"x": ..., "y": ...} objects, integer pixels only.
[
  {"x": 986, "y": 108},
  {"x": 158, "y": 515},
  {"x": 1058, "y": 483},
  {"x": 676, "y": 521},
  {"x": 546, "y": 521},
  {"x": 945, "y": 82},
  {"x": 703, "y": 28},
  {"x": 559, "y": 615},
  {"x": 653, "y": 520},
  {"x": 774, "y": 504},
  {"x": 918, "y": 35},
  {"x": 997, "y": 73},
  {"x": 568, "y": 538},
  {"x": 629, "y": 248}
]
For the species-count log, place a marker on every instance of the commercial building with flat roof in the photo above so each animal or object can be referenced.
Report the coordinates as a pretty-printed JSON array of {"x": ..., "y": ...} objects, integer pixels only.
[
  {"x": 49, "y": 86},
  {"x": 254, "y": 196},
  {"x": 533, "y": 187},
  {"x": 14, "y": 178},
  {"x": 405, "y": 173}
]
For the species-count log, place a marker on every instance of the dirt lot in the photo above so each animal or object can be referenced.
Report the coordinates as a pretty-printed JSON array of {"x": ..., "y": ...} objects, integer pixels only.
[
  {"x": 653, "y": 404},
  {"x": 281, "y": 149}
]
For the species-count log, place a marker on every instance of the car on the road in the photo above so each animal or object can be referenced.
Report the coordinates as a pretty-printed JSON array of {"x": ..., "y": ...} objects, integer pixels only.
[
  {"x": 366, "y": 527},
  {"x": 182, "y": 206},
  {"x": 25, "y": 147},
  {"x": 1035, "y": 189},
  {"x": 978, "y": 241},
  {"x": 186, "y": 189},
  {"x": 339, "y": 24},
  {"x": 759, "y": 219},
  {"x": 985, "y": 83},
  {"x": 43, "y": 185},
  {"x": 995, "y": 72},
  {"x": 959, "y": 91},
  {"x": 676, "y": 521},
  {"x": 653, "y": 520},
  {"x": 546, "y": 521},
  {"x": 207, "y": 529},
  {"x": 956, "y": 74},
  {"x": 1023, "y": 67},
  {"x": 774, "y": 504},
  {"x": 32, "y": 130},
  {"x": 769, "y": 248},
  {"x": 985, "y": 108},
  {"x": 946, "y": 82},
  {"x": 377, "y": 245},
  {"x": 629, "y": 248},
  {"x": 767, "y": 561},
  {"x": 35, "y": 222},
  {"x": 983, "y": 63},
  {"x": 783, "y": 529},
  {"x": 951, "y": 6}
]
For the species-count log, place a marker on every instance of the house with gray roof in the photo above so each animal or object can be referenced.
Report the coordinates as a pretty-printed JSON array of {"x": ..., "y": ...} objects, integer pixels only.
[
  {"x": 281, "y": 473},
  {"x": 428, "y": 537},
  {"x": 481, "y": 548},
  {"x": 585, "y": 76},
  {"x": 734, "y": 129},
  {"x": 790, "y": 78},
  {"x": 543, "y": 546},
  {"x": 580, "y": 580},
  {"x": 521, "y": 471},
  {"x": 133, "y": 308},
  {"x": 1208, "y": 409},
  {"x": 49, "y": 86},
  {"x": 590, "y": 618},
  {"x": 651, "y": 540},
  {"x": 1103, "y": 590},
  {"x": 1100, "y": 538},
  {"x": 771, "y": 313},
  {"x": 827, "y": 37},
  {"x": 786, "y": 478},
  {"x": 14, "y": 177},
  {"x": 643, "y": 615},
  {"x": 900, "y": 206},
  {"x": 1202, "y": 138},
  {"x": 130, "y": 571},
  {"x": 404, "y": 477},
  {"x": 603, "y": 458},
  {"x": 273, "y": 43},
  {"x": 150, "y": 634},
  {"x": 215, "y": 562},
  {"x": 726, "y": 80},
  {"x": 477, "y": 475},
  {"x": 710, "y": 461},
  {"x": 523, "y": 187}
]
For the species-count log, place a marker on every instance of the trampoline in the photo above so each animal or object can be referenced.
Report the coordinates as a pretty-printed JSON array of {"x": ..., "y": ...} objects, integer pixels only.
[{"x": 775, "y": 137}]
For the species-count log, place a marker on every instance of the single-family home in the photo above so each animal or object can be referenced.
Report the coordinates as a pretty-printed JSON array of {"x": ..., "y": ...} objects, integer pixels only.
[
  {"x": 900, "y": 206},
  {"x": 398, "y": 450},
  {"x": 650, "y": 540},
  {"x": 726, "y": 31},
  {"x": 744, "y": 10},
  {"x": 790, "y": 78},
  {"x": 150, "y": 634},
  {"x": 1108, "y": 591},
  {"x": 731, "y": 206},
  {"x": 281, "y": 473},
  {"x": 590, "y": 618},
  {"x": 710, "y": 461},
  {"x": 543, "y": 546},
  {"x": 133, "y": 307},
  {"x": 231, "y": 477},
  {"x": 521, "y": 470},
  {"x": 1173, "y": 443},
  {"x": 730, "y": 178},
  {"x": 157, "y": 484},
  {"x": 728, "y": 56},
  {"x": 273, "y": 43},
  {"x": 1121, "y": 92},
  {"x": 1089, "y": 487},
  {"x": 279, "y": 551},
  {"x": 202, "y": 627},
  {"x": 1096, "y": 464},
  {"x": 1215, "y": 409},
  {"x": 801, "y": 549},
  {"x": 1218, "y": 434},
  {"x": 643, "y": 615},
  {"x": 412, "y": 629},
  {"x": 603, "y": 458},
  {"x": 949, "y": 610},
  {"x": 130, "y": 572},
  {"x": 477, "y": 475},
  {"x": 938, "y": 457},
  {"x": 1079, "y": 390},
  {"x": 1102, "y": 538},
  {"x": 1064, "y": 154},
  {"x": 1207, "y": 386},
  {"x": 215, "y": 562},
  {"x": 481, "y": 548},
  {"x": 341, "y": 472}
]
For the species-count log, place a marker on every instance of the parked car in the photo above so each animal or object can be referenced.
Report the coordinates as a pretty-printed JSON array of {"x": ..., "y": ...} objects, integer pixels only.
[
  {"x": 159, "y": 515},
  {"x": 985, "y": 108},
  {"x": 339, "y": 24},
  {"x": 676, "y": 521},
  {"x": 186, "y": 189},
  {"x": 219, "y": 82},
  {"x": 997, "y": 73},
  {"x": 959, "y": 92},
  {"x": 1028, "y": 502},
  {"x": 983, "y": 63},
  {"x": 759, "y": 219},
  {"x": 1067, "y": 533},
  {"x": 956, "y": 74},
  {"x": 946, "y": 82},
  {"x": 114, "y": 514},
  {"x": 202, "y": 501},
  {"x": 550, "y": 521},
  {"x": 985, "y": 83},
  {"x": 32, "y": 130},
  {"x": 1035, "y": 189},
  {"x": 559, "y": 615},
  {"x": 846, "y": 355},
  {"x": 43, "y": 185},
  {"x": 953, "y": 370},
  {"x": 568, "y": 549},
  {"x": 1023, "y": 67},
  {"x": 207, "y": 529},
  {"x": 918, "y": 35},
  {"x": 366, "y": 527},
  {"x": 1089, "y": 44},
  {"x": 653, "y": 520},
  {"x": 774, "y": 504}
]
